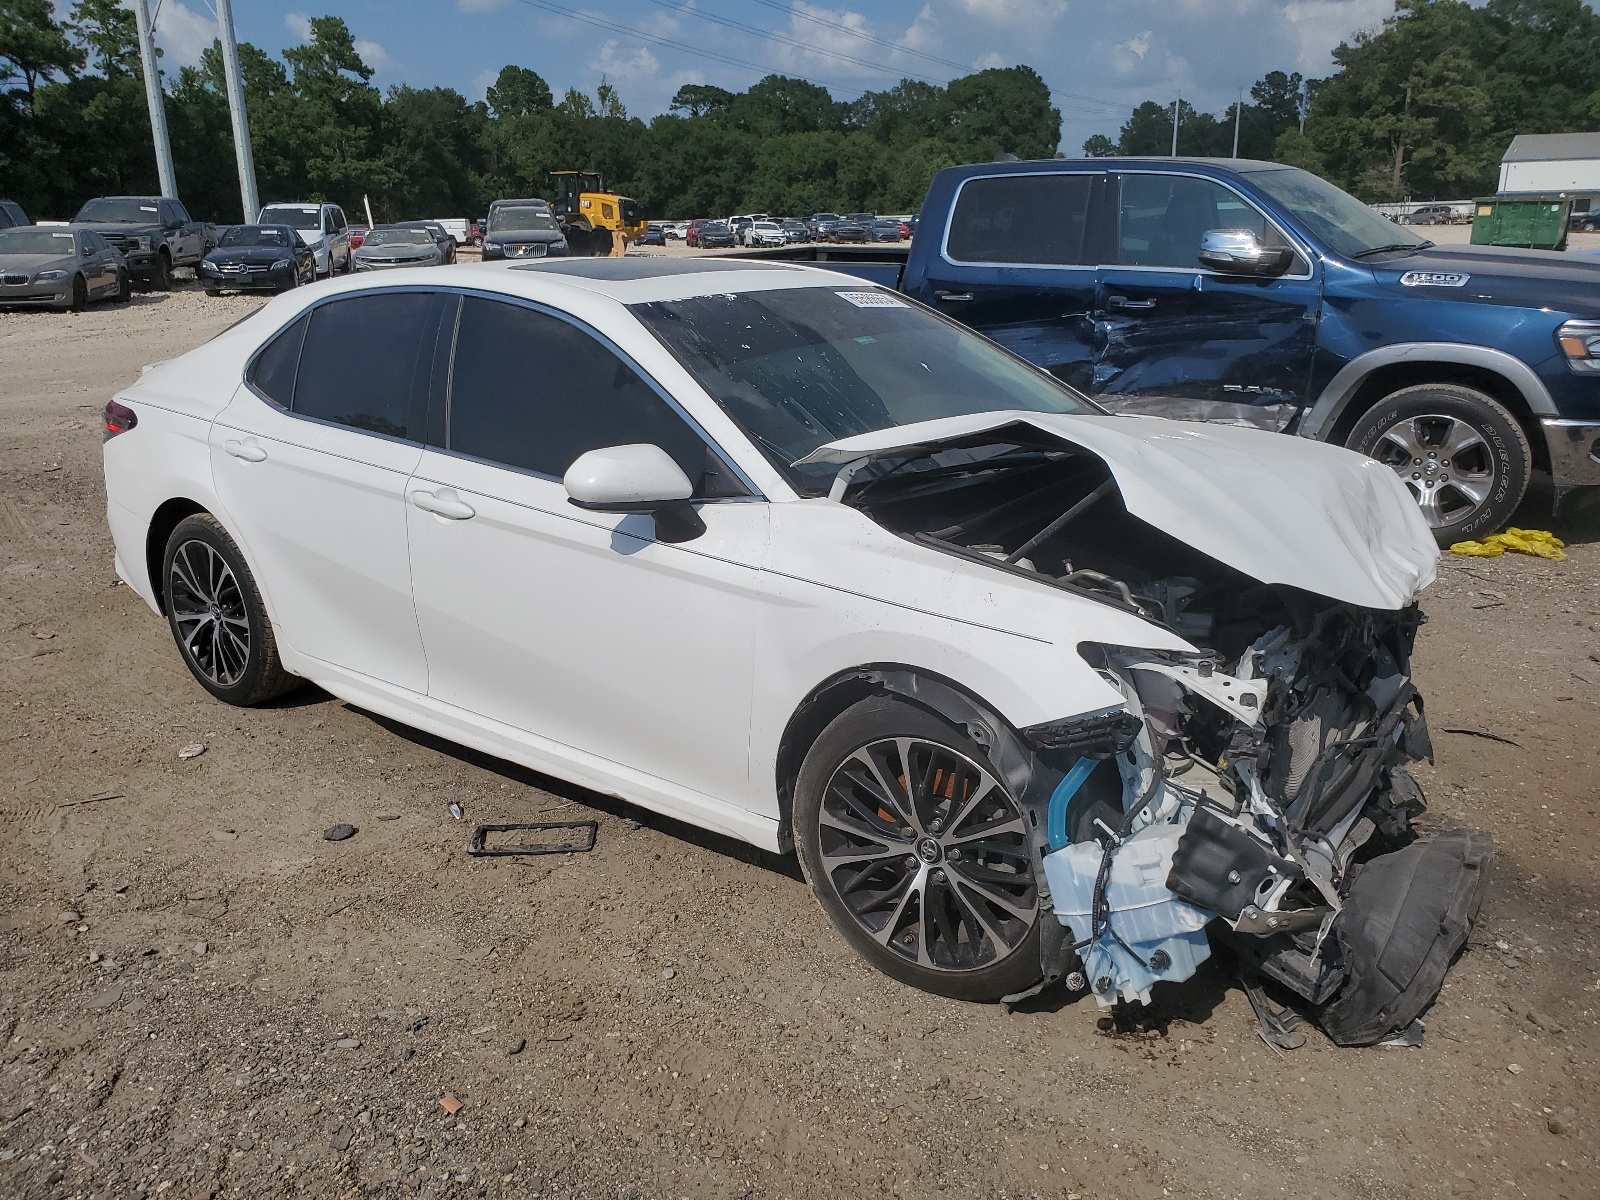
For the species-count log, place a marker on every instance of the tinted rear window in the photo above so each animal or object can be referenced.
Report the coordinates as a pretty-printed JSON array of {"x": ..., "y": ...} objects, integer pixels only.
[
  {"x": 365, "y": 362},
  {"x": 1024, "y": 219},
  {"x": 273, "y": 374}
]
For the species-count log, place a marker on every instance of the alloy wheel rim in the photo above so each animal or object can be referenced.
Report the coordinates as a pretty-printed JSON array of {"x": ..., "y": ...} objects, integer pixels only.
[
  {"x": 929, "y": 854},
  {"x": 1446, "y": 464},
  {"x": 208, "y": 609}
]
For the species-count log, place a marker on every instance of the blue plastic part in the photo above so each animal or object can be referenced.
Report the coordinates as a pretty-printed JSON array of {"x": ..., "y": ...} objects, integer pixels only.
[{"x": 1056, "y": 814}]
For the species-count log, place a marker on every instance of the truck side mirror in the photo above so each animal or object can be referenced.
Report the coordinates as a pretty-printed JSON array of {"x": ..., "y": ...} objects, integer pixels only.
[{"x": 1241, "y": 252}]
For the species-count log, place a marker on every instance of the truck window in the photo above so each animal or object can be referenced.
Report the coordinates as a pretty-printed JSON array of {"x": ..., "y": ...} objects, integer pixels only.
[
  {"x": 1160, "y": 219},
  {"x": 1039, "y": 219}
]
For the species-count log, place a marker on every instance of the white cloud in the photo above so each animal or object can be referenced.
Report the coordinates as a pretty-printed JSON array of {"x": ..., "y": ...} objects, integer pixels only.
[
  {"x": 374, "y": 55},
  {"x": 1323, "y": 24},
  {"x": 1016, "y": 12},
  {"x": 299, "y": 24},
  {"x": 482, "y": 82},
  {"x": 625, "y": 65},
  {"x": 478, "y": 6},
  {"x": 1138, "y": 45},
  {"x": 183, "y": 33}
]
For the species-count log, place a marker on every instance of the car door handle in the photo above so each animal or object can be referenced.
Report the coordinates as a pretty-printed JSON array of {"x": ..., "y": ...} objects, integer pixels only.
[
  {"x": 247, "y": 449},
  {"x": 1127, "y": 305},
  {"x": 444, "y": 503},
  {"x": 952, "y": 295}
]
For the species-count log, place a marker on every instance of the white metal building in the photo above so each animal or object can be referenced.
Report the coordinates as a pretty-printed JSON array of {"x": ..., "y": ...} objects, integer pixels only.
[{"x": 1552, "y": 163}]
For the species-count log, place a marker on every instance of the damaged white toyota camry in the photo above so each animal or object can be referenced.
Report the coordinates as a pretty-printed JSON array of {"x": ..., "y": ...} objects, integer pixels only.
[{"x": 1036, "y": 693}]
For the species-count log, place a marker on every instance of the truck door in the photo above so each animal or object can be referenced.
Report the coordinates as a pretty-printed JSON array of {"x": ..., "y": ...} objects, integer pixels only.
[
  {"x": 1017, "y": 261},
  {"x": 1182, "y": 341},
  {"x": 183, "y": 235}
]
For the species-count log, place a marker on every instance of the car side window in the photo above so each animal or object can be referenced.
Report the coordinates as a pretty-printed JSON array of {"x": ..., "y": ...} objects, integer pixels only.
[
  {"x": 1034, "y": 219},
  {"x": 1161, "y": 218},
  {"x": 273, "y": 372},
  {"x": 532, "y": 391},
  {"x": 337, "y": 217},
  {"x": 366, "y": 362}
]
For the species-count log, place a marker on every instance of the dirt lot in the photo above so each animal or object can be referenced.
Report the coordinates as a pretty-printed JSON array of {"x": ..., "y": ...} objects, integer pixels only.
[{"x": 200, "y": 996}]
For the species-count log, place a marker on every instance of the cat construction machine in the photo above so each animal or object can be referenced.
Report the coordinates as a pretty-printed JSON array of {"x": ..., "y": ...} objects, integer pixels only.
[{"x": 594, "y": 220}]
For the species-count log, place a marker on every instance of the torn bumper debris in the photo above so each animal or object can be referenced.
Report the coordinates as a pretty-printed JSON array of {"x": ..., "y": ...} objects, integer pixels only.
[{"x": 1250, "y": 792}]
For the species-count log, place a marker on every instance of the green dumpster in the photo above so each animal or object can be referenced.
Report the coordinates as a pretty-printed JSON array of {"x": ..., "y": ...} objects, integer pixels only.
[{"x": 1535, "y": 222}]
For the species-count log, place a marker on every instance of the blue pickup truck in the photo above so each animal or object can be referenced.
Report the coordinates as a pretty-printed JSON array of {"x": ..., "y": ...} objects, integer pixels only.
[{"x": 1258, "y": 294}]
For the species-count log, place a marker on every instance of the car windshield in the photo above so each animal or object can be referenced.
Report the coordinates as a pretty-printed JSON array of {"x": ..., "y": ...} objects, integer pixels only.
[
  {"x": 35, "y": 241},
  {"x": 127, "y": 211},
  {"x": 521, "y": 220},
  {"x": 255, "y": 235},
  {"x": 1348, "y": 226},
  {"x": 295, "y": 218},
  {"x": 398, "y": 237},
  {"x": 799, "y": 367}
]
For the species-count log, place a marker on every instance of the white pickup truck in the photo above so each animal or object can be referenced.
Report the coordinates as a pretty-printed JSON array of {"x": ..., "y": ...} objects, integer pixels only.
[{"x": 458, "y": 228}]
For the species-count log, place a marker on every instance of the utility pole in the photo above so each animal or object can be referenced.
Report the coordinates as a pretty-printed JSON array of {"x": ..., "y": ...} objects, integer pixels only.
[
  {"x": 233, "y": 78},
  {"x": 1400, "y": 143},
  {"x": 153, "y": 97},
  {"x": 1175, "y": 104},
  {"x": 1238, "y": 109}
]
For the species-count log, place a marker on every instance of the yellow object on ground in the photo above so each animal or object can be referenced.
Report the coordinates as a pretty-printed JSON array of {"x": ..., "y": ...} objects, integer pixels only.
[{"x": 1539, "y": 542}]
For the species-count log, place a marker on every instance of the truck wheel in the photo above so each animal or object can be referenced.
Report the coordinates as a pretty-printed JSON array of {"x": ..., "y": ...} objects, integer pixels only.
[
  {"x": 1462, "y": 456},
  {"x": 917, "y": 853},
  {"x": 162, "y": 279}
]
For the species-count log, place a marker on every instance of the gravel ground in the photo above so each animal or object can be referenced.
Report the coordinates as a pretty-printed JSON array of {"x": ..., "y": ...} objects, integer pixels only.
[{"x": 199, "y": 996}]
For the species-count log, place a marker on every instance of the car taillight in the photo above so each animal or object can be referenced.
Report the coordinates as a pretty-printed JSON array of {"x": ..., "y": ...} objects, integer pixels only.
[{"x": 117, "y": 418}]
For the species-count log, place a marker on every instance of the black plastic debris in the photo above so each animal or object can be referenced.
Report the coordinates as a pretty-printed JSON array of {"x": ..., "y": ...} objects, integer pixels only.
[
  {"x": 580, "y": 844},
  {"x": 338, "y": 833},
  {"x": 1407, "y": 916}
]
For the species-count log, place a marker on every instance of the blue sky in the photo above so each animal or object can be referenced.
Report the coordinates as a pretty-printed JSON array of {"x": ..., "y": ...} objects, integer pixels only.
[{"x": 1099, "y": 57}]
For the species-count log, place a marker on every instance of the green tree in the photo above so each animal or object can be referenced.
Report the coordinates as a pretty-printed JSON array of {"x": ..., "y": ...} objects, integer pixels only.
[
  {"x": 1004, "y": 110},
  {"x": 700, "y": 99},
  {"x": 340, "y": 115},
  {"x": 1100, "y": 146},
  {"x": 517, "y": 92},
  {"x": 33, "y": 45},
  {"x": 109, "y": 37}
]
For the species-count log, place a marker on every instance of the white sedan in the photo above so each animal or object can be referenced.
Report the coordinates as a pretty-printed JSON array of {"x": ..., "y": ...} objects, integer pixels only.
[
  {"x": 1035, "y": 692},
  {"x": 765, "y": 233}
]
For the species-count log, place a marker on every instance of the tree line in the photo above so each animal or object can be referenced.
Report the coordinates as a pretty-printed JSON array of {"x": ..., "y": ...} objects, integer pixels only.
[
  {"x": 1422, "y": 108},
  {"x": 74, "y": 124}
]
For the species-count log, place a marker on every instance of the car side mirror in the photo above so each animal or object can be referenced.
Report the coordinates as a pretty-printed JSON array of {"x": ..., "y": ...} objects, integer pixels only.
[
  {"x": 636, "y": 479},
  {"x": 1241, "y": 252}
]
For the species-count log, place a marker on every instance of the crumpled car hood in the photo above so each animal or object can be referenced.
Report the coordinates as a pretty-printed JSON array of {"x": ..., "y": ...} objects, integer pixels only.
[{"x": 1283, "y": 510}]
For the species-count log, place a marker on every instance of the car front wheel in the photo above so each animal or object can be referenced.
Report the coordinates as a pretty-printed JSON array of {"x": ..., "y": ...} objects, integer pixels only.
[
  {"x": 217, "y": 617},
  {"x": 162, "y": 279},
  {"x": 1461, "y": 455},
  {"x": 917, "y": 852}
]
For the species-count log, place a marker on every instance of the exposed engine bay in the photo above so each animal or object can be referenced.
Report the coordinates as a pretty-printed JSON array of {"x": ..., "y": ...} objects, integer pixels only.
[{"x": 1251, "y": 796}]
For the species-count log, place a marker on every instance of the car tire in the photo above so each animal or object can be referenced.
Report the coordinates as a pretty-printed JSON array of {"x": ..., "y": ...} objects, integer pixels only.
[
  {"x": 161, "y": 281},
  {"x": 124, "y": 292},
  {"x": 1459, "y": 452},
  {"x": 216, "y": 615},
  {"x": 77, "y": 295},
  {"x": 960, "y": 942},
  {"x": 213, "y": 292}
]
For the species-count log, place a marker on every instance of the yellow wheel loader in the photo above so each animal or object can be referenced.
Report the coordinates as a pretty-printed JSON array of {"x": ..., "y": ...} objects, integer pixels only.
[{"x": 594, "y": 220}]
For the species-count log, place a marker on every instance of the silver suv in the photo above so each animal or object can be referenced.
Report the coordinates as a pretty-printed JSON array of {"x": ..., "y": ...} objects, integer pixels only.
[{"x": 320, "y": 226}]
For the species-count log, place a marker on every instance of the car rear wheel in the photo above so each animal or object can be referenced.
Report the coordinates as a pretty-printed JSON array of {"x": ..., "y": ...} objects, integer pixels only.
[
  {"x": 216, "y": 615},
  {"x": 917, "y": 853},
  {"x": 1461, "y": 455}
]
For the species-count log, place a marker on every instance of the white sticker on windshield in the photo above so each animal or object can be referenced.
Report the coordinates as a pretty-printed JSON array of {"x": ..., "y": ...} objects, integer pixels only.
[
  {"x": 68, "y": 236},
  {"x": 147, "y": 208},
  {"x": 872, "y": 299}
]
